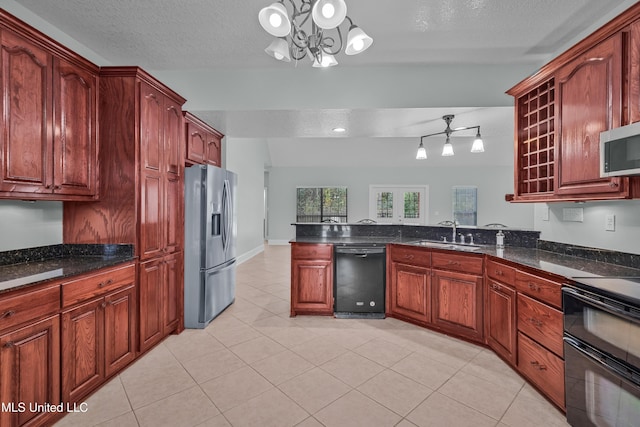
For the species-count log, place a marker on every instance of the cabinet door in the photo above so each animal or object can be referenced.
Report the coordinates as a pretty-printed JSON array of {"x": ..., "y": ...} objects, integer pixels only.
[
  {"x": 152, "y": 227},
  {"x": 172, "y": 292},
  {"x": 25, "y": 111},
  {"x": 150, "y": 302},
  {"x": 311, "y": 287},
  {"x": 82, "y": 349},
  {"x": 500, "y": 319},
  {"x": 172, "y": 137},
  {"x": 196, "y": 143},
  {"x": 457, "y": 303},
  {"x": 74, "y": 148},
  {"x": 30, "y": 370},
  {"x": 119, "y": 329},
  {"x": 214, "y": 149},
  {"x": 409, "y": 291},
  {"x": 589, "y": 92}
]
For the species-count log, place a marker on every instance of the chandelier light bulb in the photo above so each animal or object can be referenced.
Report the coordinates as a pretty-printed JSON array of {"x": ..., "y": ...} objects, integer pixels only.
[
  {"x": 422, "y": 152},
  {"x": 358, "y": 45},
  {"x": 447, "y": 149},
  {"x": 478, "y": 145},
  {"x": 275, "y": 20},
  {"x": 328, "y": 10}
]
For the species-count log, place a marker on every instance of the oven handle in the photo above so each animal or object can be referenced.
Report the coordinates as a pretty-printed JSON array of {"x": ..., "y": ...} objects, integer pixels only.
[{"x": 607, "y": 307}]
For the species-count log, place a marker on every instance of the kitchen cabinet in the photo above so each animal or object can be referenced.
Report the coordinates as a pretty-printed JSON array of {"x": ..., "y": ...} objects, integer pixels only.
[
  {"x": 311, "y": 279},
  {"x": 561, "y": 110},
  {"x": 409, "y": 284},
  {"x": 203, "y": 143},
  {"x": 98, "y": 329},
  {"x": 30, "y": 371},
  {"x": 49, "y": 146},
  {"x": 500, "y": 310},
  {"x": 142, "y": 175},
  {"x": 159, "y": 289},
  {"x": 540, "y": 346},
  {"x": 589, "y": 101},
  {"x": 457, "y": 294}
]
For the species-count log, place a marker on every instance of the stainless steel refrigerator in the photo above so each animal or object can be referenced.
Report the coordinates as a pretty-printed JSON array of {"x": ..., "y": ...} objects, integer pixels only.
[{"x": 210, "y": 243}]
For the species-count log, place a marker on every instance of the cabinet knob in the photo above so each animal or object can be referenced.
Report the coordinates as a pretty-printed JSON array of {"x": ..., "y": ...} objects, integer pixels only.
[
  {"x": 499, "y": 273},
  {"x": 7, "y": 314},
  {"x": 534, "y": 321},
  {"x": 613, "y": 184},
  {"x": 538, "y": 366},
  {"x": 495, "y": 287},
  {"x": 56, "y": 187},
  {"x": 103, "y": 305},
  {"x": 47, "y": 186},
  {"x": 453, "y": 263},
  {"x": 10, "y": 344},
  {"x": 533, "y": 286}
]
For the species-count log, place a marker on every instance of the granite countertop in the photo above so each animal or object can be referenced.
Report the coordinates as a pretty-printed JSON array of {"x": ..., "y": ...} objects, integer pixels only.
[
  {"x": 550, "y": 262},
  {"x": 32, "y": 266}
]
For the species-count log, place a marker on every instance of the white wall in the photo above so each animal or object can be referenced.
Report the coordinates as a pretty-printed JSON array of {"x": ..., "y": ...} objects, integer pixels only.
[
  {"x": 591, "y": 232},
  {"x": 29, "y": 224},
  {"x": 247, "y": 158},
  {"x": 492, "y": 182}
]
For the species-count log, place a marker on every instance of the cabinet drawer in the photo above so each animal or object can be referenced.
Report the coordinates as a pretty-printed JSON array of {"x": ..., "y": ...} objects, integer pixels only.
[
  {"x": 540, "y": 322},
  {"x": 462, "y": 263},
  {"x": 543, "y": 368},
  {"x": 408, "y": 255},
  {"x": 311, "y": 251},
  {"x": 29, "y": 305},
  {"x": 501, "y": 272},
  {"x": 96, "y": 284},
  {"x": 537, "y": 287}
]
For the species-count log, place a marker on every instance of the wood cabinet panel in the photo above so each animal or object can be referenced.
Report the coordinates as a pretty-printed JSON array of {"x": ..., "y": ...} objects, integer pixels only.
[
  {"x": 457, "y": 303},
  {"x": 86, "y": 287},
  {"x": 450, "y": 261},
  {"x": 500, "y": 319},
  {"x": 501, "y": 272},
  {"x": 152, "y": 228},
  {"x": 82, "y": 349},
  {"x": 540, "y": 288},
  {"x": 540, "y": 323},
  {"x": 30, "y": 370},
  {"x": 409, "y": 292},
  {"x": 23, "y": 306},
  {"x": 311, "y": 251},
  {"x": 407, "y": 255},
  {"x": 633, "y": 94},
  {"x": 203, "y": 143},
  {"x": 312, "y": 287},
  {"x": 196, "y": 143},
  {"x": 589, "y": 91},
  {"x": 75, "y": 130},
  {"x": 119, "y": 329},
  {"x": 172, "y": 297},
  {"x": 150, "y": 294},
  {"x": 26, "y": 115},
  {"x": 542, "y": 368}
]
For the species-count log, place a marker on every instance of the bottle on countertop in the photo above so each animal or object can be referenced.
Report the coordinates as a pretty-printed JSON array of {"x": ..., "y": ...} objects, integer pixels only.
[{"x": 500, "y": 240}]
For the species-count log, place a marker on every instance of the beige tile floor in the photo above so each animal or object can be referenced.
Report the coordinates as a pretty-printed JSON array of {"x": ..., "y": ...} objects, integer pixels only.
[{"x": 256, "y": 366}]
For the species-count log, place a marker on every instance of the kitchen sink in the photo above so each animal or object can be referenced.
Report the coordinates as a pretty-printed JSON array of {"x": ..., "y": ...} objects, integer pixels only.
[{"x": 446, "y": 245}]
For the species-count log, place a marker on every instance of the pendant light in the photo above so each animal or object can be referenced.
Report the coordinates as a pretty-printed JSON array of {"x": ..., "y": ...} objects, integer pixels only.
[{"x": 447, "y": 149}]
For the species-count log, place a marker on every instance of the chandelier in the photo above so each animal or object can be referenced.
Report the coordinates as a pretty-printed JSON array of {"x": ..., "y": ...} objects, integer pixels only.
[
  {"x": 311, "y": 27},
  {"x": 447, "y": 149}
]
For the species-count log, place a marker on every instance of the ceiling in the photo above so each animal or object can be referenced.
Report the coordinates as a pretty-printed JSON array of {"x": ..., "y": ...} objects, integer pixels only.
[{"x": 224, "y": 36}]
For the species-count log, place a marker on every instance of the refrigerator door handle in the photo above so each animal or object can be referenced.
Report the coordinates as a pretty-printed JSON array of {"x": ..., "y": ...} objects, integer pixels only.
[
  {"x": 226, "y": 211},
  {"x": 229, "y": 206}
]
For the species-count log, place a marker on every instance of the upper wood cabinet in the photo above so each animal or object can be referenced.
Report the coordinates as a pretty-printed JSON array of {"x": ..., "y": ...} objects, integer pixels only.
[
  {"x": 589, "y": 101},
  {"x": 561, "y": 110},
  {"x": 49, "y": 118},
  {"x": 203, "y": 143}
]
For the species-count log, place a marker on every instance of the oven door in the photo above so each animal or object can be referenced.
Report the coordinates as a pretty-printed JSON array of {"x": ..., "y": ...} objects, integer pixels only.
[
  {"x": 600, "y": 392},
  {"x": 608, "y": 325}
]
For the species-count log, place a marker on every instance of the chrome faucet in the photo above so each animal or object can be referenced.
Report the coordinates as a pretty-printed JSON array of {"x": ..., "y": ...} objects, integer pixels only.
[
  {"x": 470, "y": 236},
  {"x": 461, "y": 238},
  {"x": 455, "y": 229}
]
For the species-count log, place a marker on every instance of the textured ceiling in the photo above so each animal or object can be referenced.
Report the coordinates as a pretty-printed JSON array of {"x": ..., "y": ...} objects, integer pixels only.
[{"x": 223, "y": 36}]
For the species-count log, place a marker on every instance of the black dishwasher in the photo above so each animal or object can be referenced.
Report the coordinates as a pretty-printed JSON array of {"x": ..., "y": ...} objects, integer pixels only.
[{"x": 359, "y": 285}]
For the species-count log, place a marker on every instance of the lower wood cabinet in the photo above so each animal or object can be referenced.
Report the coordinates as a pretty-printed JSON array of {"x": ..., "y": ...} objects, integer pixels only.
[
  {"x": 160, "y": 300},
  {"x": 542, "y": 367},
  {"x": 30, "y": 371},
  {"x": 311, "y": 279},
  {"x": 457, "y": 303},
  {"x": 98, "y": 334},
  {"x": 500, "y": 319},
  {"x": 409, "y": 292}
]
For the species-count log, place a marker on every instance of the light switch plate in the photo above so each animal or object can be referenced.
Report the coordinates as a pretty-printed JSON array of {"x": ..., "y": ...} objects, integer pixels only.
[
  {"x": 573, "y": 214},
  {"x": 610, "y": 222},
  {"x": 544, "y": 213}
]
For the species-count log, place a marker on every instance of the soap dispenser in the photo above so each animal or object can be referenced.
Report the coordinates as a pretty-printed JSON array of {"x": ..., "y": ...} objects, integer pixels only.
[{"x": 500, "y": 240}]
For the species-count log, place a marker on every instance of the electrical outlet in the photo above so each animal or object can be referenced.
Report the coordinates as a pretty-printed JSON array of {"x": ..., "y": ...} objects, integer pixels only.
[
  {"x": 610, "y": 222},
  {"x": 544, "y": 213}
]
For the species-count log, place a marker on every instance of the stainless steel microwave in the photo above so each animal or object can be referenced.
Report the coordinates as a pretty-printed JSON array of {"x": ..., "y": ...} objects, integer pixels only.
[{"x": 620, "y": 151}]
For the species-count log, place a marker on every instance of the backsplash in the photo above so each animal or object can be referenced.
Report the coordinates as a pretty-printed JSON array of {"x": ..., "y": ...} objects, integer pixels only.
[{"x": 593, "y": 254}]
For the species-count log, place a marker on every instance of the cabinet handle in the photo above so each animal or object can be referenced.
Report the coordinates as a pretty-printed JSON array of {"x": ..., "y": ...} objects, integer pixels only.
[
  {"x": 613, "y": 184},
  {"x": 7, "y": 314},
  {"x": 495, "y": 287},
  {"x": 408, "y": 256},
  {"x": 453, "y": 263},
  {"x": 103, "y": 305},
  {"x": 538, "y": 366},
  {"x": 499, "y": 273},
  {"x": 48, "y": 186},
  {"x": 10, "y": 344},
  {"x": 56, "y": 187},
  {"x": 534, "y": 321},
  {"x": 534, "y": 287}
]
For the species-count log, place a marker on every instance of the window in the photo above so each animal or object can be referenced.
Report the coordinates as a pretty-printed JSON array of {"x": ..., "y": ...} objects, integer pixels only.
[
  {"x": 465, "y": 205},
  {"x": 398, "y": 204},
  {"x": 321, "y": 204}
]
